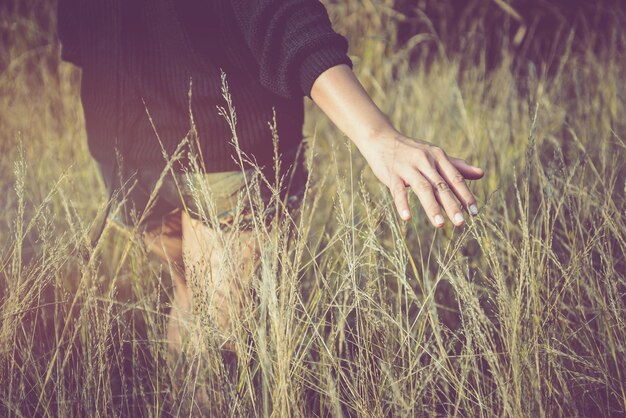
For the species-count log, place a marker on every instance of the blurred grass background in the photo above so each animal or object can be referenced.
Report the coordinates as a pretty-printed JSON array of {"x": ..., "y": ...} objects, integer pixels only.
[{"x": 520, "y": 314}]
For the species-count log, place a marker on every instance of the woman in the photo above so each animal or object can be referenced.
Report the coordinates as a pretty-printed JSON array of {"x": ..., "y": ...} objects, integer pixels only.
[{"x": 137, "y": 59}]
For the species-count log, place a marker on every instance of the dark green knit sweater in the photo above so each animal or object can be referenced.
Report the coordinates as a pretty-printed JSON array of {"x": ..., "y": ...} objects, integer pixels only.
[{"x": 133, "y": 52}]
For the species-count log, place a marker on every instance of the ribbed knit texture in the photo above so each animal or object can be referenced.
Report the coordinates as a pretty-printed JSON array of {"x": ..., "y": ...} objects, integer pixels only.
[{"x": 138, "y": 57}]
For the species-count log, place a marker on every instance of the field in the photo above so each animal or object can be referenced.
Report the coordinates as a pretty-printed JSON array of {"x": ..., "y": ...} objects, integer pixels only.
[{"x": 522, "y": 313}]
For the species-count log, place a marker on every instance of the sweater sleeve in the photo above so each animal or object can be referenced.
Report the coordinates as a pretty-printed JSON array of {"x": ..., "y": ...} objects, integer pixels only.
[
  {"x": 292, "y": 40},
  {"x": 68, "y": 21}
]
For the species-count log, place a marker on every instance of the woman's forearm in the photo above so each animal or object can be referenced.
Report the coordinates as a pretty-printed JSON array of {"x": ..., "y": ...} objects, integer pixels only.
[{"x": 343, "y": 99}]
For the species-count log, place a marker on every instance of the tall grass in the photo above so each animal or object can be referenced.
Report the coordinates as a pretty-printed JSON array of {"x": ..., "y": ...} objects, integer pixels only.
[{"x": 354, "y": 312}]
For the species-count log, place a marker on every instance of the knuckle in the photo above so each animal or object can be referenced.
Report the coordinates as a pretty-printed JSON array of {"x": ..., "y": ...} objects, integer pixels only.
[
  {"x": 451, "y": 209},
  {"x": 400, "y": 201},
  {"x": 437, "y": 151},
  {"x": 458, "y": 179},
  {"x": 421, "y": 156},
  {"x": 423, "y": 185},
  {"x": 397, "y": 190},
  {"x": 433, "y": 209}
]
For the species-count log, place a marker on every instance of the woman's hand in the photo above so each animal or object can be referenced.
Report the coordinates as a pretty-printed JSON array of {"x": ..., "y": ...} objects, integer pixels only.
[
  {"x": 397, "y": 161},
  {"x": 437, "y": 179}
]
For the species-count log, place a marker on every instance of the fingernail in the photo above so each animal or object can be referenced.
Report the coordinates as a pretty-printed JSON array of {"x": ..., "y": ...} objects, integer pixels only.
[
  {"x": 405, "y": 214},
  {"x": 458, "y": 218},
  {"x": 438, "y": 220},
  {"x": 473, "y": 209}
]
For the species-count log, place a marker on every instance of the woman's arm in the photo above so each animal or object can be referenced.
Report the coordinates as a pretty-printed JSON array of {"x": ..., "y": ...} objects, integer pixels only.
[{"x": 396, "y": 160}]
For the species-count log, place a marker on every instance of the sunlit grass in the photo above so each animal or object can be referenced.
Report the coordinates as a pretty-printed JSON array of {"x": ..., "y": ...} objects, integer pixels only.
[{"x": 354, "y": 312}]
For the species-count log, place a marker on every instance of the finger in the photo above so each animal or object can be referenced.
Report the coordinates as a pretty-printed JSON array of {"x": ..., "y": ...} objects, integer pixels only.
[
  {"x": 444, "y": 194},
  {"x": 468, "y": 171},
  {"x": 456, "y": 180},
  {"x": 398, "y": 192},
  {"x": 425, "y": 193}
]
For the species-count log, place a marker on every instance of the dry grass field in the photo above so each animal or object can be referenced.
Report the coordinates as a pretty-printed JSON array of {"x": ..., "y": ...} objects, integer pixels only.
[{"x": 520, "y": 314}]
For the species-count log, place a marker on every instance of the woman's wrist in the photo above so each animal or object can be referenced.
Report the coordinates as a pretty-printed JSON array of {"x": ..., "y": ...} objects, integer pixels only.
[{"x": 375, "y": 133}]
